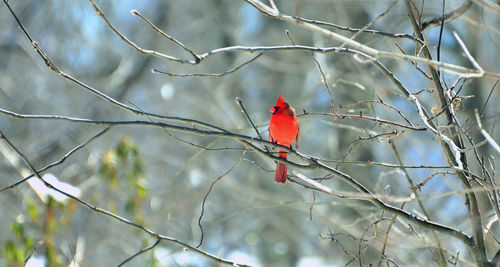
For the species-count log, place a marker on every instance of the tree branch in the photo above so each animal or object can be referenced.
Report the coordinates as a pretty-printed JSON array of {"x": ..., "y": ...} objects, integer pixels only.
[
  {"x": 434, "y": 22},
  {"x": 114, "y": 216},
  {"x": 452, "y": 150},
  {"x": 445, "y": 67},
  {"x": 313, "y": 163}
]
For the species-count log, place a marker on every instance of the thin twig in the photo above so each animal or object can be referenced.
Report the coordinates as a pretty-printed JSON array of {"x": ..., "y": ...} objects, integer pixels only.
[
  {"x": 210, "y": 190},
  {"x": 381, "y": 15},
  {"x": 456, "y": 233},
  {"x": 111, "y": 100},
  {"x": 312, "y": 164},
  {"x": 325, "y": 82},
  {"x": 415, "y": 65},
  {"x": 364, "y": 117},
  {"x": 140, "y": 252},
  {"x": 32, "y": 251},
  {"x": 434, "y": 255},
  {"x": 441, "y": 28},
  {"x": 489, "y": 181},
  {"x": 135, "y": 46},
  {"x": 158, "y": 30},
  {"x": 193, "y": 129},
  {"x": 454, "y": 148},
  {"x": 216, "y": 75},
  {"x": 186, "y": 129},
  {"x": 383, "y": 164},
  {"x": 112, "y": 215},
  {"x": 488, "y": 98},
  {"x": 451, "y": 147},
  {"x": 273, "y": 5},
  {"x": 332, "y": 236},
  {"x": 451, "y": 102},
  {"x": 345, "y": 28},
  {"x": 35, "y": 45},
  {"x": 434, "y": 22},
  {"x": 442, "y": 258},
  {"x": 62, "y": 160},
  {"x": 445, "y": 67},
  {"x": 362, "y": 102},
  {"x": 466, "y": 51},
  {"x": 240, "y": 103},
  {"x": 314, "y": 185},
  {"x": 486, "y": 135}
]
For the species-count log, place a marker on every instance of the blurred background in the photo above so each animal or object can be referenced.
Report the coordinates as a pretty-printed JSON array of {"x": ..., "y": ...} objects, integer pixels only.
[{"x": 159, "y": 178}]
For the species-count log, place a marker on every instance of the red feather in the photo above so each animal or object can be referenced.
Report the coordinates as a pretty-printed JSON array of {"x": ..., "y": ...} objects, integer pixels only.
[{"x": 284, "y": 129}]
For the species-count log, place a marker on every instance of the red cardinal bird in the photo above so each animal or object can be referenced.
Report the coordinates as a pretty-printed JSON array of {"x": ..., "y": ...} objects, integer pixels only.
[{"x": 283, "y": 130}]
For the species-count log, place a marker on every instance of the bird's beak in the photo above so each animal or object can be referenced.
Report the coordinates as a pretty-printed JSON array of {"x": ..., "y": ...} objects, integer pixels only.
[{"x": 272, "y": 110}]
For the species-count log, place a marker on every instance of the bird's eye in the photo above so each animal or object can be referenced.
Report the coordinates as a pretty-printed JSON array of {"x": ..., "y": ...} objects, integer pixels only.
[{"x": 274, "y": 109}]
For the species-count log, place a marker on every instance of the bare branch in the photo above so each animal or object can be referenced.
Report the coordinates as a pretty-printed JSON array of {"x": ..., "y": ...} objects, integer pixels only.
[
  {"x": 488, "y": 137},
  {"x": 158, "y": 30},
  {"x": 38, "y": 244},
  {"x": 217, "y": 75},
  {"x": 112, "y": 215},
  {"x": 381, "y": 15},
  {"x": 445, "y": 67},
  {"x": 466, "y": 51},
  {"x": 344, "y": 28},
  {"x": 414, "y": 63},
  {"x": 139, "y": 49},
  {"x": 140, "y": 252},
  {"x": 434, "y": 22},
  {"x": 363, "y": 102},
  {"x": 364, "y": 117},
  {"x": 312, "y": 164},
  {"x": 457, "y": 151},
  {"x": 210, "y": 190},
  {"x": 422, "y": 222},
  {"x": 62, "y": 160},
  {"x": 325, "y": 82}
]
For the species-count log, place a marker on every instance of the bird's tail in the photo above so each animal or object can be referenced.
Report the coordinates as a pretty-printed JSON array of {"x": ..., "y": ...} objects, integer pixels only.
[{"x": 281, "y": 174}]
